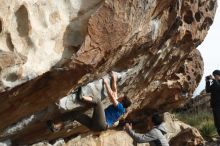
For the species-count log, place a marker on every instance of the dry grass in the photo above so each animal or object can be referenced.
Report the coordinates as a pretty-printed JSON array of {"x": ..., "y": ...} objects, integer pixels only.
[{"x": 202, "y": 120}]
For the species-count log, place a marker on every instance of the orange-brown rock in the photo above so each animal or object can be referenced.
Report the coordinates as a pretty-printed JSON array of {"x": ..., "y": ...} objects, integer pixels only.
[
  {"x": 179, "y": 134},
  {"x": 67, "y": 44},
  {"x": 198, "y": 103}
]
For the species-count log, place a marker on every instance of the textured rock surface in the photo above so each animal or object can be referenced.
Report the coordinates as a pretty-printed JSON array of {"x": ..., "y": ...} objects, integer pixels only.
[
  {"x": 179, "y": 133},
  {"x": 198, "y": 103},
  {"x": 52, "y": 48}
]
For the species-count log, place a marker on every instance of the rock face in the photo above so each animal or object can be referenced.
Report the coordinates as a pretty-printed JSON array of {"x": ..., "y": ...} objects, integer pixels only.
[
  {"x": 198, "y": 103},
  {"x": 50, "y": 48},
  {"x": 179, "y": 134}
]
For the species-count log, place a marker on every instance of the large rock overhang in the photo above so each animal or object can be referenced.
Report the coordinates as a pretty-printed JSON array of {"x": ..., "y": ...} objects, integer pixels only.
[{"x": 154, "y": 41}]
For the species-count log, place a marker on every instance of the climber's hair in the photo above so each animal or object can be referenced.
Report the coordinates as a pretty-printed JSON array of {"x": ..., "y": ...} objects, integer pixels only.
[
  {"x": 157, "y": 119},
  {"x": 126, "y": 102}
]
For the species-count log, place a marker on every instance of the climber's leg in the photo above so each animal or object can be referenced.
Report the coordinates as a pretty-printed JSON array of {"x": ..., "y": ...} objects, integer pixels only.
[
  {"x": 98, "y": 121},
  {"x": 71, "y": 116},
  {"x": 84, "y": 120},
  {"x": 59, "y": 123},
  {"x": 98, "y": 117}
]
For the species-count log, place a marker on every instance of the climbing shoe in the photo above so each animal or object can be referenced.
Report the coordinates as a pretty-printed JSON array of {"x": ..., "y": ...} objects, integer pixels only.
[
  {"x": 51, "y": 127},
  {"x": 79, "y": 94}
]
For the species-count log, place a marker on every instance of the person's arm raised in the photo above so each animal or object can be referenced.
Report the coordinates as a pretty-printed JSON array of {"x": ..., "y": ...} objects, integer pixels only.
[
  {"x": 111, "y": 95},
  {"x": 114, "y": 80},
  {"x": 207, "y": 86},
  {"x": 140, "y": 138}
]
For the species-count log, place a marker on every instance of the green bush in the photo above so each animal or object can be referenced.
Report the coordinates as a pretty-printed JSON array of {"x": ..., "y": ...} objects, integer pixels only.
[
  {"x": 202, "y": 120},
  {"x": 208, "y": 130}
]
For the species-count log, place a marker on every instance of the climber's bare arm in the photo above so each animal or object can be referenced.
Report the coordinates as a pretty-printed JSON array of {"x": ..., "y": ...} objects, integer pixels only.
[
  {"x": 111, "y": 94},
  {"x": 114, "y": 84},
  {"x": 87, "y": 98}
]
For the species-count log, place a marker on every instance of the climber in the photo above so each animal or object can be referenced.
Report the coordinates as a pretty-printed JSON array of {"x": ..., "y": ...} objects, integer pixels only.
[
  {"x": 101, "y": 118},
  {"x": 214, "y": 89},
  {"x": 155, "y": 136}
]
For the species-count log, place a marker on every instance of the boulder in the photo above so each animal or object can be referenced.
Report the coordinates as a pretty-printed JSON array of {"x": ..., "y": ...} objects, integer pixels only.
[
  {"x": 49, "y": 49},
  {"x": 178, "y": 134}
]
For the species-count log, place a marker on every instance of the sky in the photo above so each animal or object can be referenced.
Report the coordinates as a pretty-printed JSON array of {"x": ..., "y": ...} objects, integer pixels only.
[{"x": 210, "y": 50}]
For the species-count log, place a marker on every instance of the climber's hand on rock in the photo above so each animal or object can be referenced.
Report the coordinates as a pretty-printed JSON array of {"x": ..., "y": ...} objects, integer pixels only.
[
  {"x": 105, "y": 80},
  {"x": 113, "y": 75}
]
